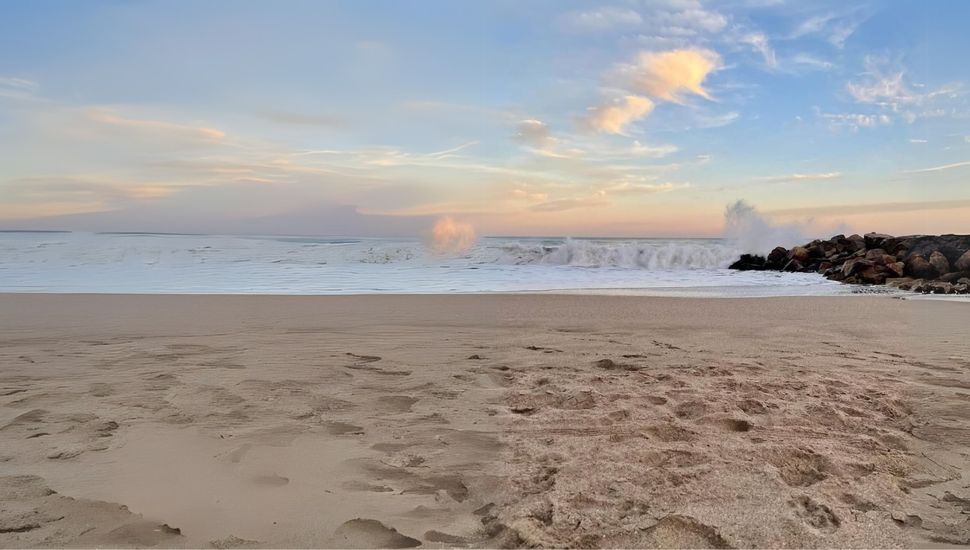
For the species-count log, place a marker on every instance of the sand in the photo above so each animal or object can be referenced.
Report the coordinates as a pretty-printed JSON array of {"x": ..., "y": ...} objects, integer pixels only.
[{"x": 489, "y": 420}]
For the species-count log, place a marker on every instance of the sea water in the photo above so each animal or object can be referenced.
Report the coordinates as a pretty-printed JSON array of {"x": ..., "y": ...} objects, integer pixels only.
[{"x": 75, "y": 262}]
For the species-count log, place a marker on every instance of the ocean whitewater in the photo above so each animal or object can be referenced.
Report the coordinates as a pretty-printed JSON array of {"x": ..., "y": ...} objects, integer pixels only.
[{"x": 73, "y": 262}]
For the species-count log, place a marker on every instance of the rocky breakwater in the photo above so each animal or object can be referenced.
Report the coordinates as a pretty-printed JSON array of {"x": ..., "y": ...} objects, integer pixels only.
[{"x": 920, "y": 263}]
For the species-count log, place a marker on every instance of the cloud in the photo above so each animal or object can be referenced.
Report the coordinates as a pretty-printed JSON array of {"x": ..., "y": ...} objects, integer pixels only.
[
  {"x": 656, "y": 151},
  {"x": 819, "y": 176},
  {"x": 644, "y": 188},
  {"x": 715, "y": 121},
  {"x": 19, "y": 83},
  {"x": 686, "y": 18},
  {"x": 759, "y": 42},
  {"x": 836, "y": 28},
  {"x": 811, "y": 62},
  {"x": 533, "y": 133},
  {"x": 918, "y": 141},
  {"x": 109, "y": 118},
  {"x": 872, "y": 208},
  {"x": 17, "y": 88},
  {"x": 671, "y": 74},
  {"x": 888, "y": 90},
  {"x": 854, "y": 121},
  {"x": 939, "y": 168},
  {"x": 92, "y": 191},
  {"x": 600, "y": 19},
  {"x": 614, "y": 116},
  {"x": 562, "y": 205}
]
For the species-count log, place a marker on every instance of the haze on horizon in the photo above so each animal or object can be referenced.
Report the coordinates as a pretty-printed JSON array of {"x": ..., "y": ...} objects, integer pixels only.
[{"x": 544, "y": 117}]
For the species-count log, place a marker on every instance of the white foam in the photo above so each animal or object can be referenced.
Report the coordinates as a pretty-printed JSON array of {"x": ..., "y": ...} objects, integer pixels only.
[{"x": 84, "y": 262}]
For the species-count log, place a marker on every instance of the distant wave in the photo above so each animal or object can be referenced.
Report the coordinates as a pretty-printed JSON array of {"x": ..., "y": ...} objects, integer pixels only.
[{"x": 660, "y": 254}]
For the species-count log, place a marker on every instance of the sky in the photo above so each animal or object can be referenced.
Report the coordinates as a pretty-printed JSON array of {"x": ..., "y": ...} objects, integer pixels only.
[{"x": 539, "y": 117}]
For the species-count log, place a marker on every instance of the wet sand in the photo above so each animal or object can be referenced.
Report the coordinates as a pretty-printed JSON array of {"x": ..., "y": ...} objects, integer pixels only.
[{"x": 488, "y": 420}]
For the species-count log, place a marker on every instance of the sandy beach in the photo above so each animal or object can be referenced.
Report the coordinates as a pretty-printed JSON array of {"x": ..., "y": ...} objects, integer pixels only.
[{"x": 483, "y": 420}]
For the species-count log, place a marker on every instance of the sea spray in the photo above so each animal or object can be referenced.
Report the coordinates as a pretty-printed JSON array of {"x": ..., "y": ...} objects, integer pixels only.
[
  {"x": 753, "y": 233},
  {"x": 452, "y": 237}
]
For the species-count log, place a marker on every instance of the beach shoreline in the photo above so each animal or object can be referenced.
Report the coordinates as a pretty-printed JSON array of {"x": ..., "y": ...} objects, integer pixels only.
[{"x": 548, "y": 419}]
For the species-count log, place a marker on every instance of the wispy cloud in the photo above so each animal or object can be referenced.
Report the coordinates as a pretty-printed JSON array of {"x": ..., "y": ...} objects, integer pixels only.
[
  {"x": 715, "y": 121},
  {"x": 939, "y": 168},
  {"x": 799, "y": 177},
  {"x": 109, "y": 118},
  {"x": 877, "y": 208},
  {"x": 533, "y": 133},
  {"x": 19, "y": 83},
  {"x": 888, "y": 90},
  {"x": 854, "y": 121},
  {"x": 562, "y": 205},
  {"x": 614, "y": 116},
  {"x": 17, "y": 88},
  {"x": 835, "y": 27},
  {"x": 601, "y": 19},
  {"x": 811, "y": 61},
  {"x": 759, "y": 42},
  {"x": 627, "y": 188}
]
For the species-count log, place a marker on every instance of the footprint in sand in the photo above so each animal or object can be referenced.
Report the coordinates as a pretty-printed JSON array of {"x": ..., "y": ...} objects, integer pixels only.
[
  {"x": 815, "y": 514},
  {"x": 609, "y": 364},
  {"x": 734, "y": 425},
  {"x": 396, "y": 403},
  {"x": 271, "y": 480},
  {"x": 370, "y": 533},
  {"x": 444, "y": 538},
  {"x": 402, "y": 460},
  {"x": 364, "y": 358},
  {"x": 676, "y": 531},
  {"x": 343, "y": 428},
  {"x": 357, "y": 485},
  {"x": 800, "y": 467}
]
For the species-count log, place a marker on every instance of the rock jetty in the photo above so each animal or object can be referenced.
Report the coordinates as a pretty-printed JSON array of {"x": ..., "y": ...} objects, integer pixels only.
[{"x": 920, "y": 263}]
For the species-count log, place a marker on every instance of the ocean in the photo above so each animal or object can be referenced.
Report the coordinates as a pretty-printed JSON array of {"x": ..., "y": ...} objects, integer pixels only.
[{"x": 76, "y": 262}]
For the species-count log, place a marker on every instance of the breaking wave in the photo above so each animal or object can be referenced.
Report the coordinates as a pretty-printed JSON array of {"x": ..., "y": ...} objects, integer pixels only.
[{"x": 640, "y": 254}]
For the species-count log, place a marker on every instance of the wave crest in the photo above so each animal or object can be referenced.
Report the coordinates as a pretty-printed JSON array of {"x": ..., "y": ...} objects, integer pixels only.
[{"x": 626, "y": 254}]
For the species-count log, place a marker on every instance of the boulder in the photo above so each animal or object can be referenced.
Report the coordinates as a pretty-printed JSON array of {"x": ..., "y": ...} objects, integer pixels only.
[
  {"x": 875, "y": 240},
  {"x": 953, "y": 276},
  {"x": 794, "y": 265},
  {"x": 963, "y": 262},
  {"x": 939, "y": 262},
  {"x": 902, "y": 283},
  {"x": 872, "y": 275},
  {"x": 799, "y": 254},
  {"x": 777, "y": 257},
  {"x": 749, "y": 262},
  {"x": 856, "y": 265},
  {"x": 923, "y": 263},
  {"x": 918, "y": 267}
]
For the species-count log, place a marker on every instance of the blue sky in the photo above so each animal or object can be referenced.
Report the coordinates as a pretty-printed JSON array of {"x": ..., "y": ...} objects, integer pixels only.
[{"x": 539, "y": 117}]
